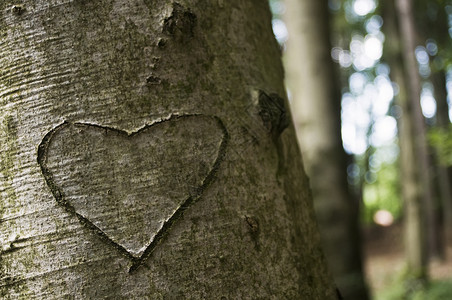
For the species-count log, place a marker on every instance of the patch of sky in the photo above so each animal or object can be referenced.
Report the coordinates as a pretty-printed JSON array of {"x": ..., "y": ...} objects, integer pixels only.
[
  {"x": 384, "y": 131},
  {"x": 363, "y": 7},
  {"x": 428, "y": 102},
  {"x": 280, "y": 31},
  {"x": 374, "y": 24},
  {"x": 423, "y": 60},
  {"x": 277, "y": 7},
  {"x": 431, "y": 47}
]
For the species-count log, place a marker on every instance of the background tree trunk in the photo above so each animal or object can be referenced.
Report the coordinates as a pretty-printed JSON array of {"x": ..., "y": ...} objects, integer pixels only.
[
  {"x": 316, "y": 107},
  {"x": 440, "y": 35},
  {"x": 145, "y": 155},
  {"x": 414, "y": 230},
  {"x": 415, "y": 166},
  {"x": 443, "y": 172}
]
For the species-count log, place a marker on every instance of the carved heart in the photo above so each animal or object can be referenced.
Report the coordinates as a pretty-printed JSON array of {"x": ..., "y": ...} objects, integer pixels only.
[{"x": 130, "y": 188}]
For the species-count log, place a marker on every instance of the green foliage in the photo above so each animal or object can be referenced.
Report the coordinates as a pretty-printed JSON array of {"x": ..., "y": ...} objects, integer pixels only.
[
  {"x": 441, "y": 140},
  {"x": 395, "y": 292},
  {"x": 436, "y": 290},
  {"x": 439, "y": 290},
  {"x": 382, "y": 192}
]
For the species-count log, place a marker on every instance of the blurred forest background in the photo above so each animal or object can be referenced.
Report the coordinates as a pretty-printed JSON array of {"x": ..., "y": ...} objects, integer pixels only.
[{"x": 369, "y": 82}]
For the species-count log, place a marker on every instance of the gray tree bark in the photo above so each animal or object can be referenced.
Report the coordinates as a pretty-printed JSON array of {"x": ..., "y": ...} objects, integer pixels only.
[
  {"x": 316, "y": 107},
  {"x": 146, "y": 153}
]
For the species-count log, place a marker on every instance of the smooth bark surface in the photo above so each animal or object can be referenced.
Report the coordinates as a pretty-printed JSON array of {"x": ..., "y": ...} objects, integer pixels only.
[
  {"x": 316, "y": 110},
  {"x": 145, "y": 153}
]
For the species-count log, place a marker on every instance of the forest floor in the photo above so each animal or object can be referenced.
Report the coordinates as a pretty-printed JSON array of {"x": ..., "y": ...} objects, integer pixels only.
[{"x": 384, "y": 258}]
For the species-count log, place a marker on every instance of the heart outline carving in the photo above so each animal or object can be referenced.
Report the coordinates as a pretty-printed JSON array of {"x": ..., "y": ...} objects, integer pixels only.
[{"x": 57, "y": 192}]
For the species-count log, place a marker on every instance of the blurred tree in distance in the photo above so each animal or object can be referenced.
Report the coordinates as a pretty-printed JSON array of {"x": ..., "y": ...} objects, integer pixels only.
[
  {"x": 316, "y": 98},
  {"x": 394, "y": 70}
]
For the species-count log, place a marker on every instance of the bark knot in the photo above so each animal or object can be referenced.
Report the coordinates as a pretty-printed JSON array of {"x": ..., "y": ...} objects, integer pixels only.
[
  {"x": 153, "y": 80},
  {"x": 180, "y": 24},
  {"x": 273, "y": 113},
  {"x": 18, "y": 9},
  {"x": 254, "y": 230}
]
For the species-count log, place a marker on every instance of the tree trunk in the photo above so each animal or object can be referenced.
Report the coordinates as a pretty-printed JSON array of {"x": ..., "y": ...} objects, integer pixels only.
[
  {"x": 443, "y": 172},
  {"x": 442, "y": 38},
  {"x": 408, "y": 33},
  {"x": 413, "y": 151},
  {"x": 146, "y": 153},
  {"x": 316, "y": 109},
  {"x": 414, "y": 231}
]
